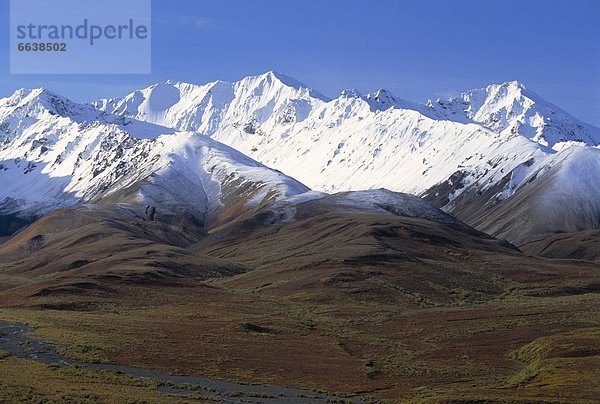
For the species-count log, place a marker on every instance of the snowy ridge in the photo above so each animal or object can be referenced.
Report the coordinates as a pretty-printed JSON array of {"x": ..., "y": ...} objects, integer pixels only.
[
  {"x": 512, "y": 108},
  {"x": 573, "y": 174},
  {"x": 384, "y": 201},
  {"x": 240, "y": 107},
  {"x": 197, "y": 173},
  {"x": 558, "y": 194},
  {"x": 57, "y": 153}
]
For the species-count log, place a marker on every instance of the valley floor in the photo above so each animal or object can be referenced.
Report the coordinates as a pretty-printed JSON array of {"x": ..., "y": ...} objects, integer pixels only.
[
  {"x": 513, "y": 348},
  {"x": 343, "y": 303}
]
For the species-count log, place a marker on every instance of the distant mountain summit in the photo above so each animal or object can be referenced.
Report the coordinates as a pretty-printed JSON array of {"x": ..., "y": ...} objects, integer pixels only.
[
  {"x": 244, "y": 105},
  {"x": 511, "y": 108}
]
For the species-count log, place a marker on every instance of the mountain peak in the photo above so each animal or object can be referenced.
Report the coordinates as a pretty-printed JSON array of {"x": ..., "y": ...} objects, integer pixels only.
[
  {"x": 382, "y": 99},
  {"x": 30, "y": 94},
  {"x": 509, "y": 90},
  {"x": 511, "y": 108},
  {"x": 381, "y": 94},
  {"x": 511, "y": 84},
  {"x": 282, "y": 78},
  {"x": 350, "y": 93},
  {"x": 38, "y": 100},
  {"x": 273, "y": 77}
]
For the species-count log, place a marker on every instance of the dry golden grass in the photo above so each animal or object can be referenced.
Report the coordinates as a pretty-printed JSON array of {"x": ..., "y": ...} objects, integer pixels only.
[
  {"x": 383, "y": 351},
  {"x": 24, "y": 381}
]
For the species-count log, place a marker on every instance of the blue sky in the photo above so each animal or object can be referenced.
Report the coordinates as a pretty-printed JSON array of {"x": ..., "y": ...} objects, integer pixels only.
[{"x": 416, "y": 49}]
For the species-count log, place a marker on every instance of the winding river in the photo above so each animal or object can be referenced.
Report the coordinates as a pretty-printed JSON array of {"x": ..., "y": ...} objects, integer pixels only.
[{"x": 15, "y": 341}]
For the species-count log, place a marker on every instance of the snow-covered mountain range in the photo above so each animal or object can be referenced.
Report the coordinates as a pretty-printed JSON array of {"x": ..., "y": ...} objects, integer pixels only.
[
  {"x": 346, "y": 143},
  {"x": 470, "y": 154},
  {"x": 56, "y": 154},
  {"x": 486, "y": 142}
]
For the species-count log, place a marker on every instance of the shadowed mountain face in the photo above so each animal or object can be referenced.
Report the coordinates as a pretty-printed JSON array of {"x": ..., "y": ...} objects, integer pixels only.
[
  {"x": 560, "y": 195},
  {"x": 371, "y": 246},
  {"x": 359, "y": 257},
  {"x": 581, "y": 245},
  {"x": 94, "y": 244},
  {"x": 357, "y": 246}
]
